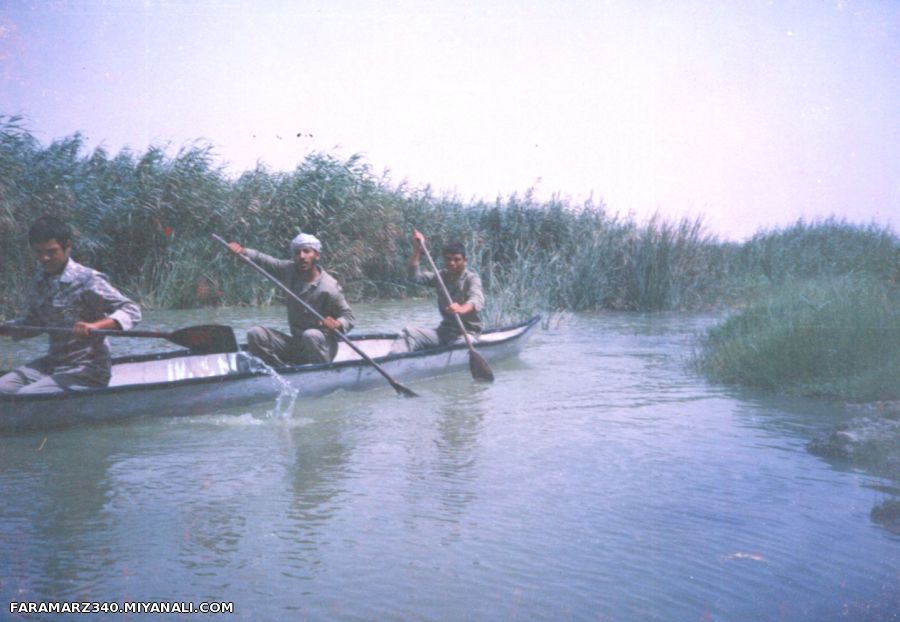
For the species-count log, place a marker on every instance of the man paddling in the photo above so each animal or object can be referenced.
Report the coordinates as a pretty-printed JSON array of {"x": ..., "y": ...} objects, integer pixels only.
[
  {"x": 66, "y": 294},
  {"x": 311, "y": 340},
  {"x": 466, "y": 293}
]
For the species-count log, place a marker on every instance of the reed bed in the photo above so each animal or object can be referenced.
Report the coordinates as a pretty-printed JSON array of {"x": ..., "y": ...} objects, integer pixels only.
[{"x": 146, "y": 219}]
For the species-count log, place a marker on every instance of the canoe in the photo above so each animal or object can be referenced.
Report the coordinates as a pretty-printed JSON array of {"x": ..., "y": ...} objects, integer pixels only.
[{"x": 182, "y": 383}]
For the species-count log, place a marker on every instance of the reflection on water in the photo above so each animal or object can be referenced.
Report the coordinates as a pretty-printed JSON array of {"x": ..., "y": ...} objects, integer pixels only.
[
  {"x": 596, "y": 478},
  {"x": 44, "y": 473}
]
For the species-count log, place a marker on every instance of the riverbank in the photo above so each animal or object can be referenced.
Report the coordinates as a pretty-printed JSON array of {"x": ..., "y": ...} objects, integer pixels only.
[
  {"x": 869, "y": 440},
  {"x": 835, "y": 337}
]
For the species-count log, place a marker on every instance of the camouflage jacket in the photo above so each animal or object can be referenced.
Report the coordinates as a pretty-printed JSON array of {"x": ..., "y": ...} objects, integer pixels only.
[
  {"x": 465, "y": 289},
  {"x": 77, "y": 294},
  {"x": 324, "y": 294}
]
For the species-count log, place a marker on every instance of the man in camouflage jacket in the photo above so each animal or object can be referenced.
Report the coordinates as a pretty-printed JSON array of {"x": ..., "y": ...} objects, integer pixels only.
[{"x": 66, "y": 294}]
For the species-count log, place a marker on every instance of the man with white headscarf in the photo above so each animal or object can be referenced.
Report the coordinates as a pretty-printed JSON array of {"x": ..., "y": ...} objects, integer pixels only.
[{"x": 311, "y": 340}]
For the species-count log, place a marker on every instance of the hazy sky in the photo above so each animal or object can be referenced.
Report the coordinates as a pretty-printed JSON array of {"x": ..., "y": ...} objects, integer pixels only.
[{"x": 751, "y": 113}]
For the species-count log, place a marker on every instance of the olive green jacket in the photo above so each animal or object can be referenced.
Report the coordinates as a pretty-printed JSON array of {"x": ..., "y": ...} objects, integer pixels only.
[
  {"x": 324, "y": 294},
  {"x": 466, "y": 289}
]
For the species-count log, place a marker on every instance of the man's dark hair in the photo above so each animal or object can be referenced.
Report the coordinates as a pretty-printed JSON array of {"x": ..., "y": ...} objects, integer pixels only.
[
  {"x": 47, "y": 228},
  {"x": 455, "y": 248}
]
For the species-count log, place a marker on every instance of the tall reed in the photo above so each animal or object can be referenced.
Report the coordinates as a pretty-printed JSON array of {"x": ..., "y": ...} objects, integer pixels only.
[
  {"x": 827, "y": 247},
  {"x": 145, "y": 219}
]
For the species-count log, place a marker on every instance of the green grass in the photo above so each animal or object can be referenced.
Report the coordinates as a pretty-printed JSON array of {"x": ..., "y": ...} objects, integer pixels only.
[
  {"x": 832, "y": 336},
  {"x": 829, "y": 247}
]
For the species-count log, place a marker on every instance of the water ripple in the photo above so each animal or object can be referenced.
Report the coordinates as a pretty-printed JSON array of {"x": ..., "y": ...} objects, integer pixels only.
[{"x": 596, "y": 478}]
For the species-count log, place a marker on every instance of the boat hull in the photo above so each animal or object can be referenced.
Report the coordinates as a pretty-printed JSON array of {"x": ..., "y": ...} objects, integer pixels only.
[{"x": 182, "y": 384}]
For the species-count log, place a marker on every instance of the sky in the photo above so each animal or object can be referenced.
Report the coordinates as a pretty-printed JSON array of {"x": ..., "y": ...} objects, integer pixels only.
[{"x": 750, "y": 114}]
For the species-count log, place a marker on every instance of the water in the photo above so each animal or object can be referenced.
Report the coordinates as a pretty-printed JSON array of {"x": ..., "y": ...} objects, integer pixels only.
[
  {"x": 596, "y": 479},
  {"x": 287, "y": 393}
]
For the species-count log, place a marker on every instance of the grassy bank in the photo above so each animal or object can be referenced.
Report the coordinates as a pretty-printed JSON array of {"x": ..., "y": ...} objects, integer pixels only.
[
  {"x": 830, "y": 336},
  {"x": 822, "y": 316}
]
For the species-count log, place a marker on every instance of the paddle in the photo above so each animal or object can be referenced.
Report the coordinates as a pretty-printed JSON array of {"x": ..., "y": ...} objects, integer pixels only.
[
  {"x": 206, "y": 339},
  {"x": 477, "y": 363},
  {"x": 402, "y": 390}
]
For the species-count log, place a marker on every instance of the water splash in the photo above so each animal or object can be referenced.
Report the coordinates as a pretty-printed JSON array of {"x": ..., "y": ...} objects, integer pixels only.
[{"x": 287, "y": 394}]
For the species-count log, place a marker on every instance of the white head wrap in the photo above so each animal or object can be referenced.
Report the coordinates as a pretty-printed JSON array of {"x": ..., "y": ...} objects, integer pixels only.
[{"x": 306, "y": 239}]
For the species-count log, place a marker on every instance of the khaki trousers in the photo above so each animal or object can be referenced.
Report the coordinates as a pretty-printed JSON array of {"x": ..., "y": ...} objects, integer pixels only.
[
  {"x": 278, "y": 349},
  {"x": 414, "y": 338},
  {"x": 31, "y": 379}
]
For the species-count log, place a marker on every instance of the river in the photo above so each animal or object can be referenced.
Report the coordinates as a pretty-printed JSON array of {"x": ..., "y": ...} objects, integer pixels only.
[{"x": 598, "y": 478}]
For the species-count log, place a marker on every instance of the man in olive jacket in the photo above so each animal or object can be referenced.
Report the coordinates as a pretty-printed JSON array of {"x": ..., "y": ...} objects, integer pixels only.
[
  {"x": 465, "y": 291},
  {"x": 311, "y": 340}
]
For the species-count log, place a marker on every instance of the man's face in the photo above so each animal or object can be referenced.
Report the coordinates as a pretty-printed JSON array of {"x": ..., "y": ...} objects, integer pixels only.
[
  {"x": 51, "y": 255},
  {"x": 305, "y": 258},
  {"x": 455, "y": 263}
]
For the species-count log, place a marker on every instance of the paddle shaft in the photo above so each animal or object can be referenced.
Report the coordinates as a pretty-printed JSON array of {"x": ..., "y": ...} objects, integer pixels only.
[
  {"x": 394, "y": 383},
  {"x": 208, "y": 339},
  {"x": 104, "y": 331}
]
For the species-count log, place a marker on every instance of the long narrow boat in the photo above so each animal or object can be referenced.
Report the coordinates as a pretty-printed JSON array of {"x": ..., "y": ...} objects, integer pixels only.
[{"x": 182, "y": 383}]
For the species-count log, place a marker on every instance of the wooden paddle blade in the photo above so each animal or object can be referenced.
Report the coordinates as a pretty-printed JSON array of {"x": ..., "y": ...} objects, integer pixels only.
[
  {"x": 479, "y": 367},
  {"x": 206, "y": 339},
  {"x": 402, "y": 390}
]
